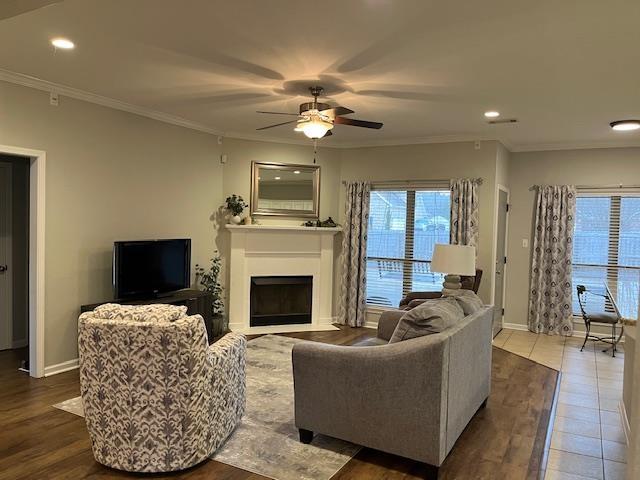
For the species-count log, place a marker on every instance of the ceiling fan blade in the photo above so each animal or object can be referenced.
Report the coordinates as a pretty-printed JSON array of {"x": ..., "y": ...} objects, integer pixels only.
[
  {"x": 279, "y": 113},
  {"x": 335, "y": 111},
  {"x": 328, "y": 134},
  {"x": 357, "y": 123},
  {"x": 276, "y": 125}
]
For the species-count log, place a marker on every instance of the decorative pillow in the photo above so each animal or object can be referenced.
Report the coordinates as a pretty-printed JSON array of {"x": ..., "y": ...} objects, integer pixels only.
[
  {"x": 141, "y": 313},
  {"x": 432, "y": 316},
  {"x": 468, "y": 300}
]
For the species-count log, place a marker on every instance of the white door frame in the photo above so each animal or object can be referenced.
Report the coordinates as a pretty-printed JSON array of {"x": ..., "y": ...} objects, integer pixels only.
[
  {"x": 499, "y": 188},
  {"x": 36, "y": 253}
]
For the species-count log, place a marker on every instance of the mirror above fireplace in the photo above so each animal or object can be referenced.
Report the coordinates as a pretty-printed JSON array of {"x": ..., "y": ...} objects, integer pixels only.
[{"x": 285, "y": 190}]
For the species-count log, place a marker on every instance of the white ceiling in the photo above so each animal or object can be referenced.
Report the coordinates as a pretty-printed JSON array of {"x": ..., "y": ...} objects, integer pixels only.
[{"x": 427, "y": 69}]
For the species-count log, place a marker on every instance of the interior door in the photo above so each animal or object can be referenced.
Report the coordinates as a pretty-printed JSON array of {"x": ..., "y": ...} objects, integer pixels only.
[
  {"x": 6, "y": 287},
  {"x": 501, "y": 260}
]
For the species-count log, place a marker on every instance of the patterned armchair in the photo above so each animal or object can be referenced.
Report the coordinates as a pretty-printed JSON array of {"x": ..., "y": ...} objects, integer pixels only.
[{"x": 156, "y": 397}]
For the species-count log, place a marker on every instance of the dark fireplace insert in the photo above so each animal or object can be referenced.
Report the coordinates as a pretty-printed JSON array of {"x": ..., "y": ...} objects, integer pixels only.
[{"x": 282, "y": 300}]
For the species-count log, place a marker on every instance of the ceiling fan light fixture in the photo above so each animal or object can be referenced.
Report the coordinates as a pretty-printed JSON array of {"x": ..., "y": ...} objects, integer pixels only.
[
  {"x": 314, "y": 128},
  {"x": 625, "y": 125}
]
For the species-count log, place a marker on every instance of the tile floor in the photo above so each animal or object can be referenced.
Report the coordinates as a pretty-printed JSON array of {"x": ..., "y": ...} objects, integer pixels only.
[{"x": 588, "y": 440}]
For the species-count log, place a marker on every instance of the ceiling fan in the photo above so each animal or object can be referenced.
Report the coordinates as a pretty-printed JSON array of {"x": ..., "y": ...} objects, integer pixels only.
[{"x": 316, "y": 119}]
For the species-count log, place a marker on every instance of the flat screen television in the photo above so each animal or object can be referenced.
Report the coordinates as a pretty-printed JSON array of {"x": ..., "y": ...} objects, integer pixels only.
[{"x": 151, "y": 267}]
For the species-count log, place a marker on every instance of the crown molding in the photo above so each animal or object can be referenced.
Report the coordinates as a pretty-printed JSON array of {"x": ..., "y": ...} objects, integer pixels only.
[
  {"x": 545, "y": 147},
  {"x": 45, "y": 85},
  {"x": 426, "y": 140},
  {"x": 71, "y": 92}
]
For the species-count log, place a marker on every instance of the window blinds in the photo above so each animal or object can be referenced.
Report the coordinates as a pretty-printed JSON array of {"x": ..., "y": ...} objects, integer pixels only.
[
  {"x": 607, "y": 248},
  {"x": 405, "y": 222}
]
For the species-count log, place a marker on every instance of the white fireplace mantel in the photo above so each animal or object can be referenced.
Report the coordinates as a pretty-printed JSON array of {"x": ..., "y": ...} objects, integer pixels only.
[
  {"x": 281, "y": 250},
  {"x": 279, "y": 228}
]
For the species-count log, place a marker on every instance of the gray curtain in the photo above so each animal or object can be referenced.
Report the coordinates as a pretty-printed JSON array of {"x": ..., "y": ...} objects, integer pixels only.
[
  {"x": 550, "y": 293},
  {"x": 464, "y": 212},
  {"x": 353, "y": 301}
]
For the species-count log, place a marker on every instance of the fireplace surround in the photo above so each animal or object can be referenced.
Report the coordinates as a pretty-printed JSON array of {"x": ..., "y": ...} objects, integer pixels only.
[{"x": 281, "y": 251}]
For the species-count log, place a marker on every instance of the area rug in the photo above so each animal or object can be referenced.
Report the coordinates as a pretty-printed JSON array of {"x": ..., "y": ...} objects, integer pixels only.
[{"x": 266, "y": 442}]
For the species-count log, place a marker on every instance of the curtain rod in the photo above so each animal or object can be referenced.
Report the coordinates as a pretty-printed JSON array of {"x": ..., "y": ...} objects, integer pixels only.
[
  {"x": 608, "y": 187},
  {"x": 619, "y": 186},
  {"x": 478, "y": 180}
]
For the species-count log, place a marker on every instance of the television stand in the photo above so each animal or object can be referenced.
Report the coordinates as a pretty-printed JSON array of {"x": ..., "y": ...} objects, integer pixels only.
[{"x": 196, "y": 301}]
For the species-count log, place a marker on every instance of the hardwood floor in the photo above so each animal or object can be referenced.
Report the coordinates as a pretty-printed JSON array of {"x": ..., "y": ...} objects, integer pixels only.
[{"x": 504, "y": 440}]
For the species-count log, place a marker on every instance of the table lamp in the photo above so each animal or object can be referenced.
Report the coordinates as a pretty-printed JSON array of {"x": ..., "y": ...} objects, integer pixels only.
[{"x": 453, "y": 261}]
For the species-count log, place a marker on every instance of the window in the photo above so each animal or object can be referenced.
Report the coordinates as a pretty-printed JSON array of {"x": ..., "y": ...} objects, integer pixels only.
[
  {"x": 606, "y": 250},
  {"x": 404, "y": 225}
]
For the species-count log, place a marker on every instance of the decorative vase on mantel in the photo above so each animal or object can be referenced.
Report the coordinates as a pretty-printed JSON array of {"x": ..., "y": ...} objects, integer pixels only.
[{"x": 236, "y": 205}]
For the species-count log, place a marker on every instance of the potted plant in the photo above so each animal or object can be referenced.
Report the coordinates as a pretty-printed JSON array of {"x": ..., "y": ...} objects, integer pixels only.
[
  {"x": 236, "y": 205},
  {"x": 209, "y": 280}
]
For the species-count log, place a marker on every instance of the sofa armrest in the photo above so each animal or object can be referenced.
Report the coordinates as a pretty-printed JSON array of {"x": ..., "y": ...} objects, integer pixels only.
[
  {"x": 389, "y": 397},
  {"x": 387, "y": 323}
]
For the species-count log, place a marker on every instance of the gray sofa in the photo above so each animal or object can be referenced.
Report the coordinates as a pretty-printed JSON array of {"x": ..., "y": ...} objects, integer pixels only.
[{"x": 412, "y": 398}]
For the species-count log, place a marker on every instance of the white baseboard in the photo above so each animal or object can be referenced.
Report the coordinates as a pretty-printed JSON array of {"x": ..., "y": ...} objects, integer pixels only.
[
  {"x": 625, "y": 422},
  {"x": 525, "y": 328},
  {"x": 61, "y": 367},
  {"x": 515, "y": 326},
  {"x": 372, "y": 325},
  {"x": 19, "y": 343}
]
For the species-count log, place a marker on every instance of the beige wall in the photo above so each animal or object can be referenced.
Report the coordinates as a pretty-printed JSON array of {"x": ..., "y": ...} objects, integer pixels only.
[
  {"x": 579, "y": 167},
  {"x": 113, "y": 175},
  {"x": 110, "y": 176},
  {"x": 434, "y": 162}
]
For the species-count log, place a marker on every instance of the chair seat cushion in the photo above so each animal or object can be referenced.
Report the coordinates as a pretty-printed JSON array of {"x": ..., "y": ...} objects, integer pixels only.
[
  {"x": 603, "y": 317},
  {"x": 428, "y": 318}
]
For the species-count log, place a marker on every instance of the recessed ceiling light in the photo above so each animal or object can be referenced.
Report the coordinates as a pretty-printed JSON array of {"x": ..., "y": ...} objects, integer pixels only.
[
  {"x": 296, "y": 172},
  {"x": 277, "y": 178},
  {"x": 625, "y": 125},
  {"x": 63, "y": 43},
  {"x": 491, "y": 114}
]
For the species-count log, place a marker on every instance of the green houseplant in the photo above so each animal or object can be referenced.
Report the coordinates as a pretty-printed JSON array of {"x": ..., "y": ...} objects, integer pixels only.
[
  {"x": 209, "y": 280},
  {"x": 236, "y": 205}
]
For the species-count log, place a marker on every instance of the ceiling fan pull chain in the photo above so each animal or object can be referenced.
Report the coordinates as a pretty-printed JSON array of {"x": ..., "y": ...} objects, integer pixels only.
[{"x": 315, "y": 149}]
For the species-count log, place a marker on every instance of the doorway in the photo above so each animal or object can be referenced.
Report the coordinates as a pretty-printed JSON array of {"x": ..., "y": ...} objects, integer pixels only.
[
  {"x": 501, "y": 258},
  {"x": 14, "y": 259},
  {"x": 36, "y": 161}
]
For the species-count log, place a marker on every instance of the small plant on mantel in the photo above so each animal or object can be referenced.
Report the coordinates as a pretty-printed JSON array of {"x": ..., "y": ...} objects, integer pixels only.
[
  {"x": 236, "y": 205},
  {"x": 209, "y": 279}
]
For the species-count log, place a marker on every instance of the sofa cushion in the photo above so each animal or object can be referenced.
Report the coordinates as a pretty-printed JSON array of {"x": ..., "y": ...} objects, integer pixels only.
[
  {"x": 432, "y": 316},
  {"x": 141, "y": 313},
  {"x": 467, "y": 299}
]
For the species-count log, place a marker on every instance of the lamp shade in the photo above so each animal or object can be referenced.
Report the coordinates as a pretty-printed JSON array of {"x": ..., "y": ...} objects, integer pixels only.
[{"x": 454, "y": 259}]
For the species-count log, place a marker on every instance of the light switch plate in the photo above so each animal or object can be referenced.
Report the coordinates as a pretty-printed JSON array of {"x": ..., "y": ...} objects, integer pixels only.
[{"x": 525, "y": 243}]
